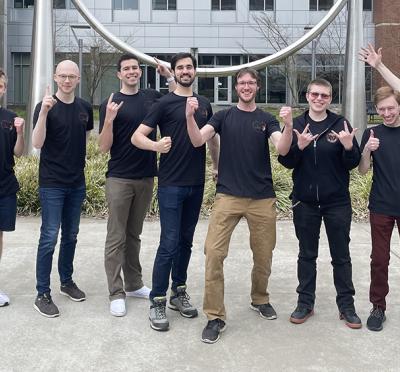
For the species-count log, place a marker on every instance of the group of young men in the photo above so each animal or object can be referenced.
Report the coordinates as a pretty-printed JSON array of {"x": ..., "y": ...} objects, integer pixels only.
[{"x": 319, "y": 146}]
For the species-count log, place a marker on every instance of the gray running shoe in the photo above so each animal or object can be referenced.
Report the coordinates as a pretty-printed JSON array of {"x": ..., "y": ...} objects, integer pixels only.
[
  {"x": 179, "y": 301},
  {"x": 157, "y": 316},
  {"x": 45, "y": 305},
  {"x": 266, "y": 310}
]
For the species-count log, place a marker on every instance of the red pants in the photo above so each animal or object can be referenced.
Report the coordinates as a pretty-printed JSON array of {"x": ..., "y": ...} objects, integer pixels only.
[{"x": 381, "y": 233}]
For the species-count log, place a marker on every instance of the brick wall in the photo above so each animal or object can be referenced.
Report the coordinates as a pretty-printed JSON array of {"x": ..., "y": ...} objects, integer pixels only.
[{"x": 387, "y": 34}]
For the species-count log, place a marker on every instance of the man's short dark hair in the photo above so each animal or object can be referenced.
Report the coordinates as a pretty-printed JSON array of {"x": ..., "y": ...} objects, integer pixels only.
[
  {"x": 248, "y": 70},
  {"x": 179, "y": 56},
  {"x": 125, "y": 57},
  {"x": 3, "y": 76}
]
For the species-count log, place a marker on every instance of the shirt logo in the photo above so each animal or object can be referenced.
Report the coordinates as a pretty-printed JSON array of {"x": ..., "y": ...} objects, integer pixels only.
[
  {"x": 259, "y": 126},
  {"x": 84, "y": 117},
  {"x": 330, "y": 137},
  {"x": 6, "y": 125}
]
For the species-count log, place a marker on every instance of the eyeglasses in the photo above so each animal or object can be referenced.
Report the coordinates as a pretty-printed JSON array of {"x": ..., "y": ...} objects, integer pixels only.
[
  {"x": 316, "y": 95},
  {"x": 69, "y": 77},
  {"x": 249, "y": 83}
]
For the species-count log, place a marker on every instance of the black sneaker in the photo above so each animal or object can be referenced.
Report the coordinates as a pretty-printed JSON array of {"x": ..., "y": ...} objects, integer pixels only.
[
  {"x": 212, "y": 330},
  {"x": 179, "y": 301},
  {"x": 351, "y": 319},
  {"x": 45, "y": 305},
  {"x": 73, "y": 292},
  {"x": 376, "y": 319},
  {"x": 301, "y": 314},
  {"x": 265, "y": 310}
]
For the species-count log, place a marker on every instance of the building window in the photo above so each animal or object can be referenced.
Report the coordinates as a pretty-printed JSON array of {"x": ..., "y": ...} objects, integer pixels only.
[
  {"x": 164, "y": 4},
  {"x": 24, "y": 3},
  {"x": 59, "y": 4},
  {"x": 223, "y": 5},
  {"x": 321, "y": 4},
  {"x": 262, "y": 5},
  {"x": 125, "y": 4},
  {"x": 21, "y": 64},
  {"x": 367, "y": 5}
]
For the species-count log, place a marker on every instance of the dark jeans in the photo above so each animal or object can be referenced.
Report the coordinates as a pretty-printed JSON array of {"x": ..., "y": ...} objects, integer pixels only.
[
  {"x": 179, "y": 213},
  {"x": 307, "y": 220},
  {"x": 60, "y": 206},
  {"x": 381, "y": 233}
]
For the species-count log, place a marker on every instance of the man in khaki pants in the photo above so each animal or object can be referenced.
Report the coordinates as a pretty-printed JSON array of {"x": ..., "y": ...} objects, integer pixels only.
[{"x": 244, "y": 189}]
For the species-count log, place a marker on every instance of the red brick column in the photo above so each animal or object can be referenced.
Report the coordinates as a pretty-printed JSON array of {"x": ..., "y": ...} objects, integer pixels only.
[{"x": 387, "y": 34}]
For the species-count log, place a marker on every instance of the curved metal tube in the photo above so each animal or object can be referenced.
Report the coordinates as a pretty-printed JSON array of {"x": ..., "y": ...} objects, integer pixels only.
[{"x": 215, "y": 71}]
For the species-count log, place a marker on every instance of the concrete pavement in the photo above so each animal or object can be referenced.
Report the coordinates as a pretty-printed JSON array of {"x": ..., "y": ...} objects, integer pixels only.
[{"x": 86, "y": 337}]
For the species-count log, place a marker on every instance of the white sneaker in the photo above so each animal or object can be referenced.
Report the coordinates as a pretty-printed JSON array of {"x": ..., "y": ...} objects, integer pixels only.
[
  {"x": 4, "y": 300},
  {"x": 117, "y": 307},
  {"x": 143, "y": 292}
]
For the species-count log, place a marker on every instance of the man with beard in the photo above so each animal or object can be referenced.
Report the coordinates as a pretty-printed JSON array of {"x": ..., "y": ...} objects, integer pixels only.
[
  {"x": 244, "y": 189},
  {"x": 129, "y": 182},
  {"x": 180, "y": 189}
]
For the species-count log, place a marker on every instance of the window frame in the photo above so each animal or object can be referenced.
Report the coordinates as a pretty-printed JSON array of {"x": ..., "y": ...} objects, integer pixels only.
[
  {"x": 168, "y": 5},
  {"x": 221, "y": 6},
  {"x": 264, "y": 9}
]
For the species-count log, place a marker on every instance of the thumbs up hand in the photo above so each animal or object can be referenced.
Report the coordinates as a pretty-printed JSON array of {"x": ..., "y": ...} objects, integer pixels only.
[{"x": 373, "y": 142}]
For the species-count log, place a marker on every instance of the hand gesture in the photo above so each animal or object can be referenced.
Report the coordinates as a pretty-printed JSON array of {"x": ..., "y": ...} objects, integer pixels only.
[
  {"x": 373, "y": 143},
  {"x": 370, "y": 56},
  {"x": 345, "y": 136},
  {"x": 19, "y": 124},
  {"x": 286, "y": 115},
  {"x": 48, "y": 101},
  {"x": 112, "y": 108},
  {"x": 162, "y": 69},
  {"x": 191, "y": 106},
  {"x": 305, "y": 137},
  {"x": 164, "y": 145}
]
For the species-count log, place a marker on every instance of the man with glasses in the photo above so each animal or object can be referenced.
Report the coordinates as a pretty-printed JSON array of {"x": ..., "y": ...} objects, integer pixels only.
[
  {"x": 11, "y": 143},
  {"x": 323, "y": 152},
  {"x": 244, "y": 189},
  {"x": 62, "y": 123}
]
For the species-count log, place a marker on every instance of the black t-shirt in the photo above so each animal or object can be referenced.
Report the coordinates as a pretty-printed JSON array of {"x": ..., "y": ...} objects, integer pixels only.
[
  {"x": 244, "y": 163},
  {"x": 127, "y": 161},
  {"x": 8, "y": 138},
  {"x": 184, "y": 164},
  {"x": 385, "y": 191},
  {"x": 62, "y": 157}
]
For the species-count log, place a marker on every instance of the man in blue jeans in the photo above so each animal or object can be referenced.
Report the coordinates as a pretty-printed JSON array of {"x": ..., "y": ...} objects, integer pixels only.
[
  {"x": 180, "y": 188},
  {"x": 61, "y": 124}
]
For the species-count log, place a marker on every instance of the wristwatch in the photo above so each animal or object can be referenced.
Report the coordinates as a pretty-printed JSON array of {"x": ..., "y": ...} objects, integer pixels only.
[{"x": 170, "y": 79}]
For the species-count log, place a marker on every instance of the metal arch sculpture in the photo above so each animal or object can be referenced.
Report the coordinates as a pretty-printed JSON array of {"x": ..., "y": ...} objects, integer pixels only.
[{"x": 215, "y": 71}]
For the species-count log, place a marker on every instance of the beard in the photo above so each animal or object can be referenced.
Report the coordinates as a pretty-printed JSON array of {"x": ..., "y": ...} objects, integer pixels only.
[{"x": 185, "y": 84}]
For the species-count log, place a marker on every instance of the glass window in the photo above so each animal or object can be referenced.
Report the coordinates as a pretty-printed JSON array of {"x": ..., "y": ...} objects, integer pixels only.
[
  {"x": 261, "y": 5},
  {"x": 367, "y": 4},
  {"x": 321, "y": 4},
  {"x": 276, "y": 85},
  {"x": 164, "y": 4},
  {"x": 223, "y": 5},
  {"x": 21, "y": 66},
  {"x": 59, "y": 4},
  {"x": 125, "y": 4},
  {"x": 206, "y": 60},
  {"x": 24, "y": 3}
]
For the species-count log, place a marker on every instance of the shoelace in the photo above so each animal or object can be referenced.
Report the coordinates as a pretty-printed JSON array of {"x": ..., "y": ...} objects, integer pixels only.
[
  {"x": 47, "y": 299},
  {"x": 160, "y": 311},
  {"x": 211, "y": 323},
  {"x": 184, "y": 298},
  {"x": 377, "y": 312}
]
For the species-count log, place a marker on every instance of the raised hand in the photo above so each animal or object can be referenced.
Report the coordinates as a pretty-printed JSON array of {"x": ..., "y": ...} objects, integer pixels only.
[
  {"x": 345, "y": 136},
  {"x": 305, "y": 137},
  {"x": 285, "y": 114},
  {"x": 373, "y": 142},
  {"x": 370, "y": 55},
  {"x": 48, "y": 101},
  {"x": 162, "y": 69},
  {"x": 19, "y": 124},
  {"x": 191, "y": 106},
  {"x": 112, "y": 108},
  {"x": 164, "y": 145}
]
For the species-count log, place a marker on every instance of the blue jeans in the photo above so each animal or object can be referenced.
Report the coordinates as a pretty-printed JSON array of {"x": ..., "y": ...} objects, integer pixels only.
[
  {"x": 60, "y": 207},
  {"x": 179, "y": 213}
]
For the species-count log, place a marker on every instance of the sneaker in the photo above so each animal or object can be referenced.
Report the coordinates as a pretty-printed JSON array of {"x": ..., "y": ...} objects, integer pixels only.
[
  {"x": 351, "y": 318},
  {"x": 117, "y": 307},
  {"x": 376, "y": 319},
  {"x": 266, "y": 310},
  {"x": 72, "y": 291},
  {"x": 179, "y": 301},
  {"x": 4, "y": 300},
  {"x": 158, "y": 317},
  {"x": 45, "y": 305},
  {"x": 143, "y": 292},
  {"x": 301, "y": 314},
  {"x": 212, "y": 330}
]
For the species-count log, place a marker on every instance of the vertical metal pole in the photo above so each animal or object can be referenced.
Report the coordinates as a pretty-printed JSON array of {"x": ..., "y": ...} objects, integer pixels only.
[
  {"x": 354, "y": 106},
  {"x": 3, "y": 44},
  {"x": 80, "y": 46},
  {"x": 42, "y": 63},
  {"x": 313, "y": 60}
]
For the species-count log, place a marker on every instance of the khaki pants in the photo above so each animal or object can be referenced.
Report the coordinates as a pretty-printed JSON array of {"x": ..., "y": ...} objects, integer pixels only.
[
  {"x": 128, "y": 202},
  {"x": 261, "y": 219}
]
